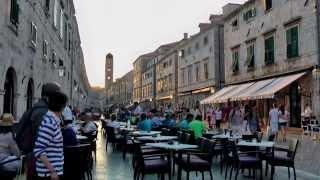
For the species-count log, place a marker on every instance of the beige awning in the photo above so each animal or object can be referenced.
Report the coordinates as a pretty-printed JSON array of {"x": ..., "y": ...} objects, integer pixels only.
[
  {"x": 264, "y": 89},
  {"x": 276, "y": 85},
  {"x": 225, "y": 94},
  {"x": 210, "y": 99}
]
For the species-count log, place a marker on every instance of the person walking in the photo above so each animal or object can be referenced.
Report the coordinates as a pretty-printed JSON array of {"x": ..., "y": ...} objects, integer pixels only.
[
  {"x": 274, "y": 120},
  {"x": 28, "y": 125},
  {"x": 218, "y": 116},
  {"x": 236, "y": 119},
  {"x": 253, "y": 120},
  {"x": 48, "y": 148},
  {"x": 283, "y": 122}
]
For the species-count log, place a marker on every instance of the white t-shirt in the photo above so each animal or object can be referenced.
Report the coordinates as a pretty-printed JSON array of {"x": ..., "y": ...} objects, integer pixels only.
[
  {"x": 274, "y": 115},
  {"x": 218, "y": 114}
]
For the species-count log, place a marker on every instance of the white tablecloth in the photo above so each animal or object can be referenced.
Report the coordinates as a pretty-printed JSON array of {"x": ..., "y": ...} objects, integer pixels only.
[
  {"x": 266, "y": 144},
  {"x": 175, "y": 147},
  {"x": 146, "y": 133},
  {"x": 157, "y": 138}
]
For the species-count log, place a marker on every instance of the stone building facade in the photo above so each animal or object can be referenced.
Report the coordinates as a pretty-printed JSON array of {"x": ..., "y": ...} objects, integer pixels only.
[
  {"x": 200, "y": 63},
  {"x": 139, "y": 67},
  {"x": 39, "y": 42},
  {"x": 148, "y": 82},
  {"x": 120, "y": 91},
  {"x": 275, "y": 38},
  {"x": 167, "y": 78}
]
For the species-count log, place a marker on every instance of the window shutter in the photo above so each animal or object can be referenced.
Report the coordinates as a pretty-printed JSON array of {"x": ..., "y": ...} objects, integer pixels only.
[
  {"x": 271, "y": 50},
  {"x": 295, "y": 42},
  {"x": 288, "y": 35}
]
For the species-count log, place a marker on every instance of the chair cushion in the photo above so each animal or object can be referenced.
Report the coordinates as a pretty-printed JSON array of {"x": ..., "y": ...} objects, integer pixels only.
[
  {"x": 156, "y": 165},
  {"x": 248, "y": 159},
  {"x": 196, "y": 163}
]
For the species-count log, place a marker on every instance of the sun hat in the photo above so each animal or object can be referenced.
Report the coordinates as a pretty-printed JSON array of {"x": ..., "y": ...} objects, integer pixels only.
[{"x": 7, "y": 120}]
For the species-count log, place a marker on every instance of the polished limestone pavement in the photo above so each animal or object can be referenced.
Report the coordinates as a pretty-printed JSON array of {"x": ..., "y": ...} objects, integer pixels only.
[{"x": 111, "y": 166}]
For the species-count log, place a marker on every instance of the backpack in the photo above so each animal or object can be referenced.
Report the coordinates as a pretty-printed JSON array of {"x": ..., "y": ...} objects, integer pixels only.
[{"x": 26, "y": 129}]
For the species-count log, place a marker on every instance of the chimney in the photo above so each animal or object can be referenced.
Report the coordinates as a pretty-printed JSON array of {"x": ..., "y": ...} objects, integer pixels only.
[{"x": 185, "y": 36}]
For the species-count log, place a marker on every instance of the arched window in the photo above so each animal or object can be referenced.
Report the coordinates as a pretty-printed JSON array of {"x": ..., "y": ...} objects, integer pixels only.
[
  {"x": 9, "y": 91},
  {"x": 30, "y": 94}
]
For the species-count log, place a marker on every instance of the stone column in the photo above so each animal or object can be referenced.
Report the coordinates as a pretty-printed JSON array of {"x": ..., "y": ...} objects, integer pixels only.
[{"x": 316, "y": 92}]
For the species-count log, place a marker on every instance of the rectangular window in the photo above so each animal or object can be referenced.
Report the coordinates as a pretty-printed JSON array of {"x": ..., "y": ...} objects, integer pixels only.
[
  {"x": 197, "y": 71},
  {"x": 235, "y": 61},
  {"x": 170, "y": 81},
  {"x": 249, "y": 14},
  {"x": 235, "y": 25},
  {"x": 250, "y": 56},
  {"x": 183, "y": 75},
  {"x": 292, "y": 42},
  {"x": 205, "y": 41},
  {"x": 61, "y": 24},
  {"x": 268, "y": 4},
  {"x": 190, "y": 74},
  {"x": 182, "y": 53},
  {"x": 45, "y": 50},
  {"x": 14, "y": 13},
  {"x": 269, "y": 50},
  {"x": 55, "y": 14},
  {"x": 206, "y": 71},
  {"x": 33, "y": 34}
]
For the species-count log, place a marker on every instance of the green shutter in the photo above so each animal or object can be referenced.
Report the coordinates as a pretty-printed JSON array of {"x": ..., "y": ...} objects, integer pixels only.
[
  {"x": 235, "y": 61},
  {"x": 295, "y": 41},
  {"x": 288, "y": 35},
  {"x": 272, "y": 50},
  {"x": 292, "y": 42},
  {"x": 269, "y": 51}
]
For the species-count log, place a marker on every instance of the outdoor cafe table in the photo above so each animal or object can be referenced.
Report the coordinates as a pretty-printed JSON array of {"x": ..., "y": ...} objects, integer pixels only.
[
  {"x": 262, "y": 144},
  {"x": 145, "y": 133},
  {"x": 172, "y": 147},
  {"x": 157, "y": 138},
  {"x": 127, "y": 129},
  {"x": 226, "y": 136}
]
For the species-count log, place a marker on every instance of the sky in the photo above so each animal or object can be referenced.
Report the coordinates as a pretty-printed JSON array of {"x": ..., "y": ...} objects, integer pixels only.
[{"x": 130, "y": 28}]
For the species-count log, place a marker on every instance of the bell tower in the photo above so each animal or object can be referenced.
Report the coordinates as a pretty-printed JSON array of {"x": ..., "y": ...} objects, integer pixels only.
[{"x": 109, "y": 71}]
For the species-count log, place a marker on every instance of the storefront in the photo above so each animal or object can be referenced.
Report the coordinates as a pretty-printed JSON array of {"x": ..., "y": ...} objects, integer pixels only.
[
  {"x": 192, "y": 99},
  {"x": 291, "y": 91}
]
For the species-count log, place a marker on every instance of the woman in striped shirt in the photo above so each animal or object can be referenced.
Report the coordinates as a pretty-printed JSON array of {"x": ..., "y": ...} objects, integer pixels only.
[{"x": 49, "y": 142}]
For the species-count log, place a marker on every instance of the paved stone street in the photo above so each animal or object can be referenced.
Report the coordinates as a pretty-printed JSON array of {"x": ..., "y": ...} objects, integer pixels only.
[{"x": 110, "y": 166}]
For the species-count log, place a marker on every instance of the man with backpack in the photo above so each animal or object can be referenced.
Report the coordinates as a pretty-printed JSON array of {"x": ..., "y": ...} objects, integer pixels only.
[{"x": 29, "y": 123}]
